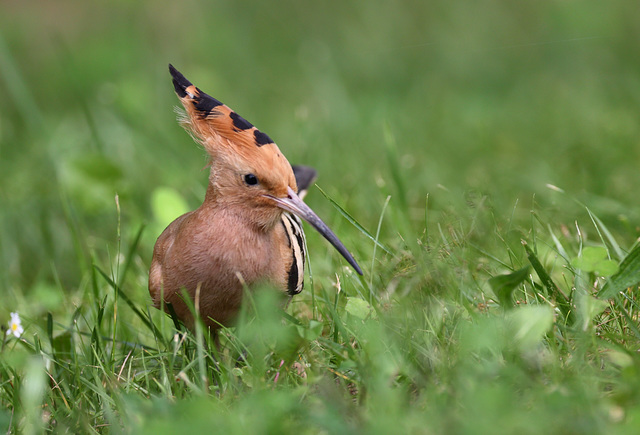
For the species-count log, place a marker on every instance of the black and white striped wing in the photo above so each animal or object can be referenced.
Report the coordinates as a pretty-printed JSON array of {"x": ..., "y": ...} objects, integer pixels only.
[{"x": 293, "y": 229}]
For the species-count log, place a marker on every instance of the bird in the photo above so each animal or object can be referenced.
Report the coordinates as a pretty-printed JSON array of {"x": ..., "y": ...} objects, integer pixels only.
[{"x": 247, "y": 231}]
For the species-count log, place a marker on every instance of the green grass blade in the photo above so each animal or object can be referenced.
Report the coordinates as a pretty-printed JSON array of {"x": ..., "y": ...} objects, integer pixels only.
[
  {"x": 600, "y": 226},
  {"x": 504, "y": 285},
  {"x": 627, "y": 276},
  {"x": 395, "y": 168},
  {"x": 130, "y": 255},
  {"x": 130, "y": 303},
  {"x": 353, "y": 222},
  {"x": 373, "y": 256},
  {"x": 553, "y": 290}
]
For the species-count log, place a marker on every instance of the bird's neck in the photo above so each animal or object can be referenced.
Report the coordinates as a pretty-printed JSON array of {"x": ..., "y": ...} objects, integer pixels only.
[
  {"x": 211, "y": 197},
  {"x": 258, "y": 218}
]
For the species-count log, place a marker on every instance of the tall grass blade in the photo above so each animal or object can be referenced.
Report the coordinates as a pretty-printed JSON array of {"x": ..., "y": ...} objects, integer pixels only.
[
  {"x": 353, "y": 222},
  {"x": 628, "y": 275},
  {"x": 373, "y": 256},
  {"x": 152, "y": 327},
  {"x": 553, "y": 290},
  {"x": 600, "y": 226},
  {"x": 394, "y": 166},
  {"x": 130, "y": 254}
]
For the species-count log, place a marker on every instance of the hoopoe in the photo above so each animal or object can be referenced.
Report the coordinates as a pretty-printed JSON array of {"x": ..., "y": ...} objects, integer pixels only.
[{"x": 246, "y": 231}]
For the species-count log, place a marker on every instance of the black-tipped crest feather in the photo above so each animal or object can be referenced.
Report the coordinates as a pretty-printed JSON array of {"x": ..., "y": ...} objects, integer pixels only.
[
  {"x": 202, "y": 102},
  {"x": 180, "y": 83}
]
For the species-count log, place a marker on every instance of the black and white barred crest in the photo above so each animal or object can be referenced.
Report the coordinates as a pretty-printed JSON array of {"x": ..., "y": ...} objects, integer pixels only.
[{"x": 293, "y": 230}]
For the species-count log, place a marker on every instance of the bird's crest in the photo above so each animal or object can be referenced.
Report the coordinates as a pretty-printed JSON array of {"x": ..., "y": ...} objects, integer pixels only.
[{"x": 222, "y": 132}]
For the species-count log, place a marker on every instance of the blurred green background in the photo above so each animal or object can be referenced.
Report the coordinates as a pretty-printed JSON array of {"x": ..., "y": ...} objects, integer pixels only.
[{"x": 478, "y": 98}]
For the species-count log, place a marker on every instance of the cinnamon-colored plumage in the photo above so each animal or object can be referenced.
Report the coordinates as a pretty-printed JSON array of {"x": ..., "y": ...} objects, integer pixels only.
[{"x": 246, "y": 230}]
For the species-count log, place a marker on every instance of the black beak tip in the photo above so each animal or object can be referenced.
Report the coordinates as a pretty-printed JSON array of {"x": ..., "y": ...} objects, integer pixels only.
[{"x": 357, "y": 269}]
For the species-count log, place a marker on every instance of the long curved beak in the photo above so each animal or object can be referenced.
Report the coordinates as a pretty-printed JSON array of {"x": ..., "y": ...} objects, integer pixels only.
[{"x": 293, "y": 204}]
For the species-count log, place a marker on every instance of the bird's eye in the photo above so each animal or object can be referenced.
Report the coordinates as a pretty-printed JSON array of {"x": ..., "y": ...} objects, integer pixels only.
[{"x": 251, "y": 179}]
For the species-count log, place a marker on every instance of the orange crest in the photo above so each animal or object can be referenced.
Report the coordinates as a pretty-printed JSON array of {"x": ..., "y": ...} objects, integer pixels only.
[{"x": 226, "y": 135}]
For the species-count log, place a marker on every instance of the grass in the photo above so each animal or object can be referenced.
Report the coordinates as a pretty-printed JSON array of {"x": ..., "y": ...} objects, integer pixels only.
[{"x": 479, "y": 160}]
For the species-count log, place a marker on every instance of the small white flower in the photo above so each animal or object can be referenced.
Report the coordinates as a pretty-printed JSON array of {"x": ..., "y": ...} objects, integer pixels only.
[{"x": 15, "y": 326}]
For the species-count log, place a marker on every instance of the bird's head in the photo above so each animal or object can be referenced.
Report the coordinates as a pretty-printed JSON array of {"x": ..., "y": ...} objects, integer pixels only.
[{"x": 247, "y": 167}]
